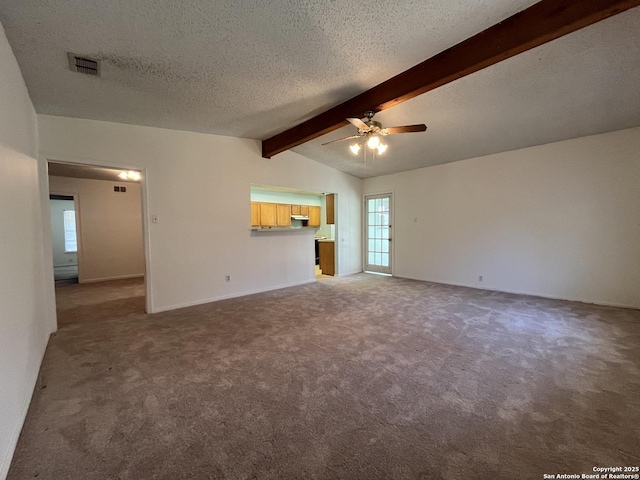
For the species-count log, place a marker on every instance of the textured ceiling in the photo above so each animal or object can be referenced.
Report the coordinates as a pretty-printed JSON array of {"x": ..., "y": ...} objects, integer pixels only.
[
  {"x": 580, "y": 84},
  {"x": 252, "y": 69}
]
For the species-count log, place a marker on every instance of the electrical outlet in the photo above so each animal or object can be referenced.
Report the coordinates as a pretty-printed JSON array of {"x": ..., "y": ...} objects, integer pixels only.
[
  {"x": 479, "y": 278},
  {"x": 227, "y": 278}
]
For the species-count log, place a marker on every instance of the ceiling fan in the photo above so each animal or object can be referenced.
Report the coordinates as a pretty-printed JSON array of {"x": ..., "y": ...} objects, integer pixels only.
[{"x": 371, "y": 131}]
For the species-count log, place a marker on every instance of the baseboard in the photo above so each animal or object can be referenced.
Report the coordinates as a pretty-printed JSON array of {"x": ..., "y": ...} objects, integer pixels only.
[
  {"x": 231, "y": 295},
  {"x": 106, "y": 279},
  {"x": 15, "y": 436},
  {"x": 344, "y": 274},
  {"x": 520, "y": 292}
]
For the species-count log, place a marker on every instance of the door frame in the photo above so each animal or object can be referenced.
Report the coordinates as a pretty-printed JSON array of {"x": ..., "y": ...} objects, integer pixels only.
[
  {"x": 43, "y": 177},
  {"x": 365, "y": 233},
  {"x": 76, "y": 204}
]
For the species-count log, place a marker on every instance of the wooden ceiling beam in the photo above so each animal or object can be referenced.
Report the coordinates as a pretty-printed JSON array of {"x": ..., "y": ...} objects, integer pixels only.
[{"x": 534, "y": 26}]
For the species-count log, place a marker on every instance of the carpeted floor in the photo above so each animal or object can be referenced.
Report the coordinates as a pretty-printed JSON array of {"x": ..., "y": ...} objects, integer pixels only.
[{"x": 360, "y": 377}]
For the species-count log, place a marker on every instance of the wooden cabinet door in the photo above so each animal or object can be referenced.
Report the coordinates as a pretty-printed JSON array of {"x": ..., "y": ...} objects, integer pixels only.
[
  {"x": 314, "y": 216},
  {"x": 304, "y": 210},
  {"x": 283, "y": 215},
  {"x": 255, "y": 214},
  {"x": 268, "y": 214},
  {"x": 295, "y": 209},
  {"x": 331, "y": 219},
  {"x": 326, "y": 251}
]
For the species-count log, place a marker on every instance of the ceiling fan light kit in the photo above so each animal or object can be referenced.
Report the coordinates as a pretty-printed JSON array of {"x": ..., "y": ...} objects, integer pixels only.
[
  {"x": 373, "y": 143},
  {"x": 370, "y": 132}
]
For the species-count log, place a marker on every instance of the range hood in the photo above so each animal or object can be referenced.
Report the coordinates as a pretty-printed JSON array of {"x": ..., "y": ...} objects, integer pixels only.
[{"x": 300, "y": 217}]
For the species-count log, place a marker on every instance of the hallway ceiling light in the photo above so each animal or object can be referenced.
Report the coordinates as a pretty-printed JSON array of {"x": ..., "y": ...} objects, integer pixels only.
[{"x": 130, "y": 175}]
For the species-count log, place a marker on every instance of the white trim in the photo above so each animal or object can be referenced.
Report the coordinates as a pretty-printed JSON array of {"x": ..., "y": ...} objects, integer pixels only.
[
  {"x": 529, "y": 294},
  {"x": 78, "y": 253},
  {"x": 106, "y": 279},
  {"x": 232, "y": 295},
  {"x": 346, "y": 274},
  {"x": 47, "y": 245},
  {"x": 44, "y": 191},
  {"x": 365, "y": 232},
  {"x": 146, "y": 240},
  {"x": 392, "y": 247}
]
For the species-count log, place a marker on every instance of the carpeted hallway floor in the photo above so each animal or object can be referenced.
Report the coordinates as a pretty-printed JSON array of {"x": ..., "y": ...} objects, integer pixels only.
[{"x": 362, "y": 377}]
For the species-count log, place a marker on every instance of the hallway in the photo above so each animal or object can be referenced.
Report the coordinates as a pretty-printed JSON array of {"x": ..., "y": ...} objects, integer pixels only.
[{"x": 101, "y": 301}]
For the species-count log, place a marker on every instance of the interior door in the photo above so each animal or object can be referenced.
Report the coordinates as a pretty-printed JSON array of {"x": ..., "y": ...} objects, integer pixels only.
[{"x": 378, "y": 233}]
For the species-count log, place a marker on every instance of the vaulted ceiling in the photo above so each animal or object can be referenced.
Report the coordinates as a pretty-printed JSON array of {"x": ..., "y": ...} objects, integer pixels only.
[{"x": 254, "y": 69}]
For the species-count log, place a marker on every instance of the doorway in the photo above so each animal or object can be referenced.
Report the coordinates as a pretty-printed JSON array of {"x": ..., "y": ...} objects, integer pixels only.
[
  {"x": 97, "y": 224},
  {"x": 64, "y": 238},
  {"x": 378, "y": 224}
]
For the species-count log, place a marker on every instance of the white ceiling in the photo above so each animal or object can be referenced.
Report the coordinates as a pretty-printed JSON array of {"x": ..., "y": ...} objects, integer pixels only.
[
  {"x": 253, "y": 69},
  {"x": 580, "y": 84}
]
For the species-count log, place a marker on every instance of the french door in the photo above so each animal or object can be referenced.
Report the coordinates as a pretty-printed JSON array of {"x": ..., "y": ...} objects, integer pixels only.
[{"x": 378, "y": 233}]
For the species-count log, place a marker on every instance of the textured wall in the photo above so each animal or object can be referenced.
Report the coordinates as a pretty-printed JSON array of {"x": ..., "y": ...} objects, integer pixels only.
[
  {"x": 557, "y": 220},
  {"x": 23, "y": 315}
]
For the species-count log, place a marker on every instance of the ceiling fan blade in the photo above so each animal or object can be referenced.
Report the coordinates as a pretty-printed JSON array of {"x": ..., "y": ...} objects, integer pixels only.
[
  {"x": 359, "y": 124},
  {"x": 341, "y": 139},
  {"x": 404, "y": 129}
]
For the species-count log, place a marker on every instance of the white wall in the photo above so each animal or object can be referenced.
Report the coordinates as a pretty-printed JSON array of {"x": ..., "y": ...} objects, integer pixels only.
[
  {"x": 24, "y": 326},
  {"x": 60, "y": 256},
  {"x": 558, "y": 220},
  {"x": 284, "y": 197},
  {"x": 199, "y": 186},
  {"x": 109, "y": 227}
]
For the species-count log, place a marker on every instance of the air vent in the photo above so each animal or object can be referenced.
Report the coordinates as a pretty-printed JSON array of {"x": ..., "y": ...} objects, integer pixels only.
[{"x": 86, "y": 65}]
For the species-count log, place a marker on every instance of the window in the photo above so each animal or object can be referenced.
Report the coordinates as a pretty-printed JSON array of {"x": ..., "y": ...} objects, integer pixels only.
[{"x": 70, "y": 243}]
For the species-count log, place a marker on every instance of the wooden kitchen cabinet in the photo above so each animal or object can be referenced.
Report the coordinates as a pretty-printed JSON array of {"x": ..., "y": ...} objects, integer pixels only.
[
  {"x": 265, "y": 214},
  {"x": 255, "y": 214},
  {"x": 314, "y": 216},
  {"x": 330, "y": 202},
  {"x": 283, "y": 215},
  {"x": 268, "y": 215},
  {"x": 326, "y": 252}
]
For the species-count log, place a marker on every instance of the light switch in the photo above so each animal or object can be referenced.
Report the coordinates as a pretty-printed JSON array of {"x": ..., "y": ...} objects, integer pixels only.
[{"x": 155, "y": 219}]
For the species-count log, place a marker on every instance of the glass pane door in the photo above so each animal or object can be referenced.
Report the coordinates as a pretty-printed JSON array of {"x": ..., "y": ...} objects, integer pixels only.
[{"x": 378, "y": 233}]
